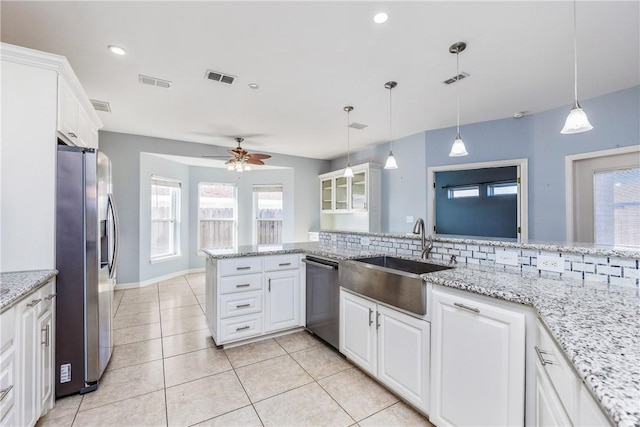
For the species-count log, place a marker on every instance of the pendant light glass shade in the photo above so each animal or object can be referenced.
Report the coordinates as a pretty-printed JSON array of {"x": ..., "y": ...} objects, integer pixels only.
[
  {"x": 577, "y": 120},
  {"x": 391, "y": 161},
  {"x": 458, "y": 149},
  {"x": 348, "y": 172}
]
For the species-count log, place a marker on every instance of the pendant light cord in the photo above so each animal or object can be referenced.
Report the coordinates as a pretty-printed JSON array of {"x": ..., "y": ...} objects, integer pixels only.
[
  {"x": 575, "y": 57},
  {"x": 348, "y": 142},
  {"x": 390, "y": 114},
  {"x": 458, "y": 90}
]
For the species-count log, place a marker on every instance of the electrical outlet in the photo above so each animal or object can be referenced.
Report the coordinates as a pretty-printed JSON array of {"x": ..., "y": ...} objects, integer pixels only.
[
  {"x": 507, "y": 258},
  {"x": 364, "y": 241},
  {"x": 551, "y": 263},
  {"x": 409, "y": 219}
]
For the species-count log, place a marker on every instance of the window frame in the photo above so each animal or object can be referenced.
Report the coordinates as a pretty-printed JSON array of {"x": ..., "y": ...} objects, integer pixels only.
[
  {"x": 452, "y": 190},
  {"x": 199, "y": 250},
  {"x": 254, "y": 195},
  {"x": 175, "y": 187},
  {"x": 511, "y": 184}
]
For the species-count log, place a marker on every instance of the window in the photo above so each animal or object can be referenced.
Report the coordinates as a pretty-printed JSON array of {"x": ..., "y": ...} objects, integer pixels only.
[
  {"x": 165, "y": 218},
  {"x": 467, "y": 191},
  {"x": 217, "y": 216},
  {"x": 267, "y": 208},
  {"x": 502, "y": 189},
  {"x": 616, "y": 196}
]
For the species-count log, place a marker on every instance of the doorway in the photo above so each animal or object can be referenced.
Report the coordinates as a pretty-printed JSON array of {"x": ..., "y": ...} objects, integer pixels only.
[{"x": 603, "y": 197}]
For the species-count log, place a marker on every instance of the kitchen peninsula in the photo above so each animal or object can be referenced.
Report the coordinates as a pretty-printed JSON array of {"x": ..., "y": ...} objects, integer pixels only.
[{"x": 591, "y": 309}]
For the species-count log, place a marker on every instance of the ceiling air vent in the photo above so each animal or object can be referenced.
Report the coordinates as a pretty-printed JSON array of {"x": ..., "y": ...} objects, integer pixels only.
[
  {"x": 153, "y": 81},
  {"x": 358, "y": 126},
  {"x": 219, "y": 77},
  {"x": 101, "y": 105},
  {"x": 453, "y": 79}
]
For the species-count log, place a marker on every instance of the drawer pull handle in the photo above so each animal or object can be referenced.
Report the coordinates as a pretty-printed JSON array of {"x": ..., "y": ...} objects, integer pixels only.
[
  {"x": 269, "y": 285},
  {"x": 370, "y": 319},
  {"x": 284, "y": 264},
  {"x": 242, "y": 328},
  {"x": 5, "y": 392},
  {"x": 34, "y": 302},
  {"x": 72, "y": 135},
  {"x": 541, "y": 354},
  {"x": 475, "y": 310},
  {"x": 377, "y": 320},
  {"x": 244, "y": 285},
  {"x": 243, "y": 268},
  {"x": 243, "y": 305},
  {"x": 50, "y": 297},
  {"x": 45, "y": 332}
]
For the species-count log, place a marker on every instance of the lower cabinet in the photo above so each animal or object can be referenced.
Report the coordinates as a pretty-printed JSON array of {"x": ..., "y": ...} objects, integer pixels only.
[
  {"x": 388, "y": 344},
  {"x": 282, "y": 300},
  {"x": 549, "y": 410},
  {"x": 477, "y": 362}
]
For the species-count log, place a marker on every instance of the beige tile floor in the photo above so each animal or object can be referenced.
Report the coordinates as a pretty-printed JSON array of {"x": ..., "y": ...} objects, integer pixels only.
[{"x": 167, "y": 371}]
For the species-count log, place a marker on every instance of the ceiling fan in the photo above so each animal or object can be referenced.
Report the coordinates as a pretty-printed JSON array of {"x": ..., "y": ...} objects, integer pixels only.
[{"x": 241, "y": 160}]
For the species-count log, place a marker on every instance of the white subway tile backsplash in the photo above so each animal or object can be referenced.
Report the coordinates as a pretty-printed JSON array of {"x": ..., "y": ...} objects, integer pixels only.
[
  {"x": 473, "y": 261},
  {"x": 473, "y": 248},
  {"x": 631, "y": 273},
  {"x": 573, "y": 275},
  {"x": 487, "y": 249},
  {"x": 588, "y": 268},
  {"x": 619, "y": 281},
  {"x": 596, "y": 278},
  {"x": 460, "y": 246},
  {"x": 480, "y": 255},
  {"x": 623, "y": 262},
  {"x": 524, "y": 260},
  {"x": 611, "y": 271}
]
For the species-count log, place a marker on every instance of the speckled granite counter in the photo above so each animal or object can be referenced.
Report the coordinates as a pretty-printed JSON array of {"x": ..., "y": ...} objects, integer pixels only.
[
  {"x": 597, "y": 325},
  {"x": 15, "y": 285}
]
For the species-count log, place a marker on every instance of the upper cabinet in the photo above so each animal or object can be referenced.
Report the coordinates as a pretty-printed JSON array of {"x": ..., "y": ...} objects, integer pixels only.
[
  {"x": 75, "y": 123},
  {"x": 351, "y": 204}
]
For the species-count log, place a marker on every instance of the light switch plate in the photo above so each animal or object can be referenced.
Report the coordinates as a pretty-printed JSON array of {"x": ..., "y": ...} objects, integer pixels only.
[
  {"x": 550, "y": 263},
  {"x": 507, "y": 258}
]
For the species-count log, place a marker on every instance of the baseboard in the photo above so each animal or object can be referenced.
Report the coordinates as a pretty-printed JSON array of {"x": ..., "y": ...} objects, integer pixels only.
[{"x": 134, "y": 285}]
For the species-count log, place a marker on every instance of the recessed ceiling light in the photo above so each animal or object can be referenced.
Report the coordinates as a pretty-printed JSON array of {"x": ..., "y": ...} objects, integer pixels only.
[
  {"x": 117, "y": 50},
  {"x": 380, "y": 18},
  {"x": 254, "y": 85},
  {"x": 518, "y": 114}
]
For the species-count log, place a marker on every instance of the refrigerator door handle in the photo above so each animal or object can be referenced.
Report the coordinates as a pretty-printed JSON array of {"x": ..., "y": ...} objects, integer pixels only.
[{"x": 116, "y": 242}]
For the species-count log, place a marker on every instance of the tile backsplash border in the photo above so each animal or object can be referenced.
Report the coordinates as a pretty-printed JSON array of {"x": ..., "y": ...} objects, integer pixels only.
[{"x": 583, "y": 263}]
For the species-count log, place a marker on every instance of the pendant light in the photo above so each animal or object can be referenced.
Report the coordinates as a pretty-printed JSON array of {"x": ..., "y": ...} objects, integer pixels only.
[
  {"x": 458, "y": 149},
  {"x": 391, "y": 161},
  {"x": 577, "y": 120},
  {"x": 348, "y": 172}
]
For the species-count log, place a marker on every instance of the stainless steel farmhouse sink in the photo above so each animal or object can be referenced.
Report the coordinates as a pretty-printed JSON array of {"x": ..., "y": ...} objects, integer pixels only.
[{"x": 395, "y": 281}]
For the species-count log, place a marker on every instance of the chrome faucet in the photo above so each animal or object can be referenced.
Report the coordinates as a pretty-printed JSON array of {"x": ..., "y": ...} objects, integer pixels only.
[{"x": 418, "y": 228}]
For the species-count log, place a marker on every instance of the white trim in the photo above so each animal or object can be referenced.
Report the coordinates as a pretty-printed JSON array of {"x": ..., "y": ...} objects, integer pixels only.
[
  {"x": 134, "y": 285},
  {"x": 523, "y": 193},
  {"x": 569, "y": 162},
  {"x": 160, "y": 259}
]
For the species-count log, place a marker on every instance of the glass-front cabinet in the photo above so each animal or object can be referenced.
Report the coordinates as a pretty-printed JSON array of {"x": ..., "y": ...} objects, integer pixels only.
[
  {"x": 326, "y": 194},
  {"x": 342, "y": 195},
  {"x": 359, "y": 191}
]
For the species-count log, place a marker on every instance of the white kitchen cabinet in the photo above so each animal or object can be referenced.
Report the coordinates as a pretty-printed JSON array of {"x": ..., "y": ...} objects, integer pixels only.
[
  {"x": 247, "y": 297},
  {"x": 477, "y": 361},
  {"x": 29, "y": 351},
  {"x": 549, "y": 410},
  {"x": 74, "y": 123},
  {"x": 358, "y": 334},
  {"x": 44, "y": 333},
  {"x": 388, "y": 344},
  {"x": 351, "y": 203},
  {"x": 8, "y": 380}
]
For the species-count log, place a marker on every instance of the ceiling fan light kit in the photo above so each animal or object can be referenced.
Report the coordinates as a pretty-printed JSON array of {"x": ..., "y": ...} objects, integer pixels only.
[
  {"x": 577, "y": 120},
  {"x": 241, "y": 160}
]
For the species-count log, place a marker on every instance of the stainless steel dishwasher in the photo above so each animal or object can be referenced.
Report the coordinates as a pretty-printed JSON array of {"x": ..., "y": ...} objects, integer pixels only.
[{"x": 323, "y": 299}]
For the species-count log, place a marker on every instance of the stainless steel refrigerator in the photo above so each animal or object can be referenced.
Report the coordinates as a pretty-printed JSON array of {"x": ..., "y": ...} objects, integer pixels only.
[{"x": 86, "y": 255}]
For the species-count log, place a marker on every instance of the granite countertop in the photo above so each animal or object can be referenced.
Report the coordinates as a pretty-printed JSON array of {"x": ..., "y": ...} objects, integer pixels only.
[
  {"x": 17, "y": 284},
  {"x": 597, "y": 325}
]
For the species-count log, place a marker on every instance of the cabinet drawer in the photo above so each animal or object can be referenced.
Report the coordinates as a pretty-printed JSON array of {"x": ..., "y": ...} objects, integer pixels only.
[
  {"x": 7, "y": 381},
  {"x": 47, "y": 294},
  {"x": 237, "y": 266},
  {"x": 246, "y": 282},
  {"x": 240, "y": 304},
  {"x": 562, "y": 376},
  {"x": 7, "y": 327},
  {"x": 281, "y": 262},
  {"x": 237, "y": 328}
]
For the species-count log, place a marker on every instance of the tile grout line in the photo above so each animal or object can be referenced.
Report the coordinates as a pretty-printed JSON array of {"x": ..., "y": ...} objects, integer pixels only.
[{"x": 164, "y": 374}]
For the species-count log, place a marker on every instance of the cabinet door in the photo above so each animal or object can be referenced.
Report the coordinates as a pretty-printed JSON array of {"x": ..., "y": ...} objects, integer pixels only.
[
  {"x": 477, "y": 362},
  {"x": 359, "y": 191},
  {"x": 282, "y": 300},
  {"x": 403, "y": 355},
  {"x": 549, "y": 409},
  {"x": 28, "y": 395},
  {"x": 45, "y": 361},
  {"x": 87, "y": 135},
  {"x": 358, "y": 331},
  {"x": 326, "y": 195},
  {"x": 67, "y": 111},
  {"x": 341, "y": 203}
]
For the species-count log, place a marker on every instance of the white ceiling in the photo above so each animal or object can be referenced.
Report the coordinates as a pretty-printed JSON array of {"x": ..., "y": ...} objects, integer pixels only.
[{"x": 313, "y": 58}]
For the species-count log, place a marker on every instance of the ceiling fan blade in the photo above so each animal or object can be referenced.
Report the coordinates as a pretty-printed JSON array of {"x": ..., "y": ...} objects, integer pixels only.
[
  {"x": 253, "y": 161},
  {"x": 259, "y": 156}
]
